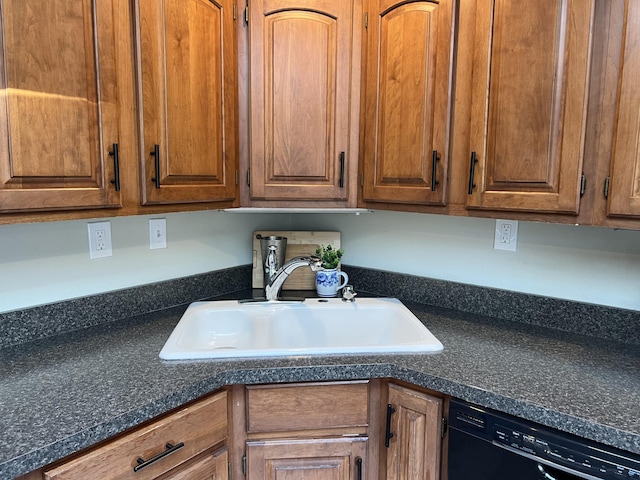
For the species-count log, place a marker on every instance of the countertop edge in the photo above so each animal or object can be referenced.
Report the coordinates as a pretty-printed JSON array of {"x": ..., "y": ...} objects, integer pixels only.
[{"x": 89, "y": 437}]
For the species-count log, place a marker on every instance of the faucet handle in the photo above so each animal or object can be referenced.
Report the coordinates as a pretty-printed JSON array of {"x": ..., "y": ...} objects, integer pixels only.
[{"x": 348, "y": 295}]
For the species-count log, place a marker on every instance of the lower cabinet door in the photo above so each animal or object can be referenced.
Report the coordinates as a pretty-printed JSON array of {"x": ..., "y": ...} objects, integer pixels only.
[
  {"x": 341, "y": 458},
  {"x": 213, "y": 466},
  {"x": 414, "y": 440}
]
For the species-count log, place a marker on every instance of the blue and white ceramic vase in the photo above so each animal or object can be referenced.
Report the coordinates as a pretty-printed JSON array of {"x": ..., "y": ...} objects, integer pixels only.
[{"x": 328, "y": 282}]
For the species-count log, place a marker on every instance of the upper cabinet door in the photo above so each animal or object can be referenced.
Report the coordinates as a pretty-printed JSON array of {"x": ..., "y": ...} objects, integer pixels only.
[
  {"x": 408, "y": 92},
  {"x": 187, "y": 87},
  {"x": 530, "y": 79},
  {"x": 624, "y": 191},
  {"x": 300, "y": 76},
  {"x": 58, "y": 105}
]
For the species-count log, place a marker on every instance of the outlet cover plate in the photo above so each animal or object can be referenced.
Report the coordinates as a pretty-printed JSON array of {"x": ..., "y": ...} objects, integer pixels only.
[
  {"x": 157, "y": 233},
  {"x": 100, "y": 239},
  {"x": 506, "y": 235}
]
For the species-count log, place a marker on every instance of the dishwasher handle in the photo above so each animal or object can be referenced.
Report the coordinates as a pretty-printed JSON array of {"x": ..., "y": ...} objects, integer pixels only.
[{"x": 545, "y": 474}]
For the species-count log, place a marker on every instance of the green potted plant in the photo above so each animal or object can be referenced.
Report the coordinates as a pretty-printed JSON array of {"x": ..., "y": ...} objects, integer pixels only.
[
  {"x": 330, "y": 256},
  {"x": 328, "y": 280}
]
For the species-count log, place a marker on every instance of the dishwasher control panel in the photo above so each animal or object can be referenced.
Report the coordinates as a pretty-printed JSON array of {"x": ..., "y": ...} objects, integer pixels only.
[
  {"x": 585, "y": 459},
  {"x": 545, "y": 447}
]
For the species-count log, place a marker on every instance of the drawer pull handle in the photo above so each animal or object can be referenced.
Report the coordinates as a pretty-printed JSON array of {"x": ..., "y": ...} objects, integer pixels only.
[
  {"x": 169, "y": 450},
  {"x": 358, "y": 468}
]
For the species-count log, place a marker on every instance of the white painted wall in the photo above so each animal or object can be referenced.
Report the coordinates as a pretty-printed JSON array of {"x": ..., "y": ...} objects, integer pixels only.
[
  {"x": 587, "y": 264},
  {"x": 48, "y": 262}
]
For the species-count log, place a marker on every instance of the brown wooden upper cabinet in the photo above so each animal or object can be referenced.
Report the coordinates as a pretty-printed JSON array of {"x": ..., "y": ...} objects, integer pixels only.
[
  {"x": 187, "y": 93},
  {"x": 304, "y": 78},
  {"x": 529, "y": 99},
  {"x": 407, "y": 101},
  {"x": 58, "y": 105},
  {"x": 624, "y": 186}
]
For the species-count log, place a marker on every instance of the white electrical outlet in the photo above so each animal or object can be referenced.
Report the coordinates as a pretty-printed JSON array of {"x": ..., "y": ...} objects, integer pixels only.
[
  {"x": 100, "y": 239},
  {"x": 506, "y": 235},
  {"x": 157, "y": 233}
]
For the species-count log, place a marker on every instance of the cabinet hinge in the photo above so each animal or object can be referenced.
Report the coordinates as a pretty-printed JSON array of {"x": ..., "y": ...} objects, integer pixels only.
[
  {"x": 362, "y": 179},
  {"x": 248, "y": 177},
  {"x": 366, "y": 20},
  {"x": 246, "y": 14},
  {"x": 606, "y": 187},
  {"x": 229, "y": 470},
  {"x": 244, "y": 464},
  {"x": 443, "y": 427},
  {"x": 583, "y": 184},
  {"x": 235, "y": 11}
]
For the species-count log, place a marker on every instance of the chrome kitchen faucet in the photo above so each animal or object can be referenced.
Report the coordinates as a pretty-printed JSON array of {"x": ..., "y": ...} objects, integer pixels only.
[{"x": 272, "y": 289}]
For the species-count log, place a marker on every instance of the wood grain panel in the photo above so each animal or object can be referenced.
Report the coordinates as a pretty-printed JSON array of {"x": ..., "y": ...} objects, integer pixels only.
[
  {"x": 58, "y": 81},
  {"x": 530, "y": 80},
  {"x": 187, "y": 70},
  {"x": 293, "y": 407},
  {"x": 303, "y": 81},
  {"x": 525, "y": 110},
  {"x": 414, "y": 450},
  {"x": 407, "y": 101},
  {"x": 211, "y": 466},
  {"x": 624, "y": 196},
  {"x": 300, "y": 71},
  {"x": 194, "y": 85},
  {"x": 58, "y": 102},
  {"x": 200, "y": 426},
  {"x": 312, "y": 459}
]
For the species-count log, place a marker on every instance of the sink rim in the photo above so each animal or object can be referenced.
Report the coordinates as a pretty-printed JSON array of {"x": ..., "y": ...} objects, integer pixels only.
[{"x": 173, "y": 349}]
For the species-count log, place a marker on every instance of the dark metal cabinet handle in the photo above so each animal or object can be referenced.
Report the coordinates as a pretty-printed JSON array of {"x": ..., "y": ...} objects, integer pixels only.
[
  {"x": 342, "y": 160},
  {"x": 388, "y": 434},
  {"x": 472, "y": 170},
  {"x": 434, "y": 165},
  {"x": 116, "y": 165},
  {"x": 156, "y": 154},
  {"x": 169, "y": 450},
  {"x": 359, "y": 468}
]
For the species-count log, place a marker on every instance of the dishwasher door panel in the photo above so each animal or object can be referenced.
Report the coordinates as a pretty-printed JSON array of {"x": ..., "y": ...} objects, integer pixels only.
[{"x": 473, "y": 459}]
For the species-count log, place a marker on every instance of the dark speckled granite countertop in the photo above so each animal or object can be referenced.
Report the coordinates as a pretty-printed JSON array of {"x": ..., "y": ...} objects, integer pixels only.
[{"x": 66, "y": 392}]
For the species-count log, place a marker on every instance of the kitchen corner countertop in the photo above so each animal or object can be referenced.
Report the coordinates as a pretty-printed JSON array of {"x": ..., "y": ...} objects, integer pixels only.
[{"x": 61, "y": 394}]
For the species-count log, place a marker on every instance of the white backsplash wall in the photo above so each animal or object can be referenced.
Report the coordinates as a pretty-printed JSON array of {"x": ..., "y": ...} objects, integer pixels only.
[
  {"x": 48, "y": 262},
  {"x": 587, "y": 264}
]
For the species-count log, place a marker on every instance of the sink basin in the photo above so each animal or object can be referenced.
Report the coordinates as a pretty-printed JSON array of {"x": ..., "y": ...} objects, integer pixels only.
[{"x": 225, "y": 329}]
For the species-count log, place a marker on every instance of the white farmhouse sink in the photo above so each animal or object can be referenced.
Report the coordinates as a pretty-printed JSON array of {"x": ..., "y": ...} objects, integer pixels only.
[{"x": 225, "y": 329}]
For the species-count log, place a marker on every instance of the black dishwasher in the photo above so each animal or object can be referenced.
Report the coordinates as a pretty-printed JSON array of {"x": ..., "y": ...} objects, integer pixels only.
[{"x": 489, "y": 445}]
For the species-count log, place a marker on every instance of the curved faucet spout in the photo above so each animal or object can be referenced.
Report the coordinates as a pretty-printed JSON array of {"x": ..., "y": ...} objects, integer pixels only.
[{"x": 272, "y": 289}]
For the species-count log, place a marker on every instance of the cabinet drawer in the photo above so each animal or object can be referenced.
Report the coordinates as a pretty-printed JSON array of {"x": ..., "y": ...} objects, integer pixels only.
[
  {"x": 198, "y": 426},
  {"x": 291, "y": 407}
]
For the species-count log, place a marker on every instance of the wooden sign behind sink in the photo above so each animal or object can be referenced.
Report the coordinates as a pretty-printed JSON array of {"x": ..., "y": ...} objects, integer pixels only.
[{"x": 298, "y": 243}]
